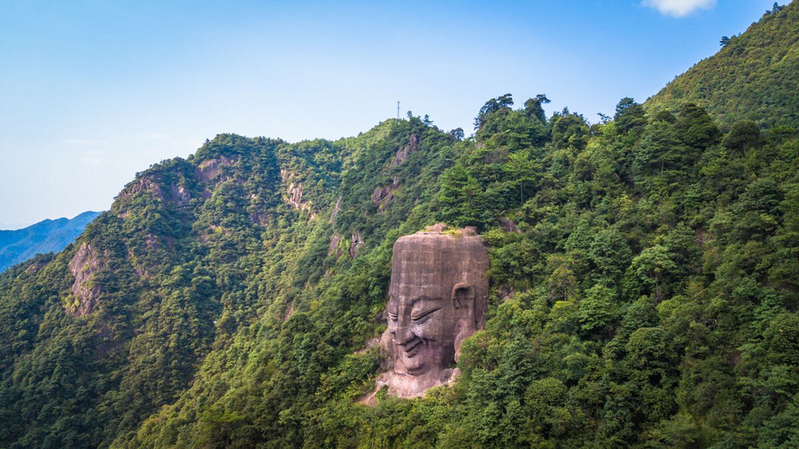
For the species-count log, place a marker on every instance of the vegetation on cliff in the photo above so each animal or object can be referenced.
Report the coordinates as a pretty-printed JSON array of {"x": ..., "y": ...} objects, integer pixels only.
[{"x": 644, "y": 290}]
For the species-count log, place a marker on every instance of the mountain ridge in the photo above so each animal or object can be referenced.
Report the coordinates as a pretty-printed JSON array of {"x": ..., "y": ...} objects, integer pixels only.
[
  {"x": 644, "y": 289},
  {"x": 19, "y": 245},
  {"x": 750, "y": 78}
]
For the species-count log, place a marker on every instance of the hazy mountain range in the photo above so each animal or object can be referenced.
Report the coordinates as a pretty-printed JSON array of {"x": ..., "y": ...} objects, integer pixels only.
[{"x": 48, "y": 236}]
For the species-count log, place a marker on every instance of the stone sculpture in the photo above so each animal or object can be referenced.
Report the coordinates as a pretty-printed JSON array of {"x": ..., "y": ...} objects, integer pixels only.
[{"x": 437, "y": 298}]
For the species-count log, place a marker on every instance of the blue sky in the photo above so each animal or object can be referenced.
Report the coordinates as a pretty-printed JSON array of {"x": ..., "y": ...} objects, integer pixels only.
[{"x": 92, "y": 92}]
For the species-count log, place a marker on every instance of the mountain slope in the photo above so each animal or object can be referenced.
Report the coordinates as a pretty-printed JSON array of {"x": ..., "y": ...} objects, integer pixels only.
[
  {"x": 644, "y": 292},
  {"x": 47, "y": 236},
  {"x": 646, "y": 298},
  {"x": 752, "y": 78},
  {"x": 115, "y": 326}
]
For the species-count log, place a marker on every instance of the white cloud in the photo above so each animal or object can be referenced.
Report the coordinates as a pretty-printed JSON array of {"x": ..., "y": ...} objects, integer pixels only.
[
  {"x": 679, "y": 8},
  {"x": 85, "y": 141},
  {"x": 93, "y": 157},
  {"x": 153, "y": 136}
]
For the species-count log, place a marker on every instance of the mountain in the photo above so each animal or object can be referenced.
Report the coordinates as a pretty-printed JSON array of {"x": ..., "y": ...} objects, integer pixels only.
[
  {"x": 44, "y": 237},
  {"x": 644, "y": 287},
  {"x": 752, "y": 78}
]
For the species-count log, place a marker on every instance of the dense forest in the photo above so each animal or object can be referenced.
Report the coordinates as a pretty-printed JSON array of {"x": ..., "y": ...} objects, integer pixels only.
[
  {"x": 753, "y": 76},
  {"x": 644, "y": 285}
]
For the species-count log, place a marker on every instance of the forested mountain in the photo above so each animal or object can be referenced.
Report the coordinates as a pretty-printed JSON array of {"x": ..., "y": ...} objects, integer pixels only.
[
  {"x": 44, "y": 237},
  {"x": 753, "y": 76},
  {"x": 644, "y": 288}
]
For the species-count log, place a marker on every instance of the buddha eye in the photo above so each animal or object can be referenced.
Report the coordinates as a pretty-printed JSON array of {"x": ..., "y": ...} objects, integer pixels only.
[
  {"x": 393, "y": 316},
  {"x": 423, "y": 316}
]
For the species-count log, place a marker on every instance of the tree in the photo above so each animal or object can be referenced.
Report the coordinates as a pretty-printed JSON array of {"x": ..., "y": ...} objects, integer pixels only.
[
  {"x": 775, "y": 9},
  {"x": 652, "y": 266},
  {"x": 491, "y": 106},
  {"x": 743, "y": 136},
  {"x": 696, "y": 127},
  {"x": 629, "y": 116},
  {"x": 533, "y": 108},
  {"x": 570, "y": 130},
  {"x": 597, "y": 310},
  {"x": 725, "y": 40},
  {"x": 782, "y": 339},
  {"x": 562, "y": 284},
  {"x": 659, "y": 149},
  {"x": 523, "y": 169}
]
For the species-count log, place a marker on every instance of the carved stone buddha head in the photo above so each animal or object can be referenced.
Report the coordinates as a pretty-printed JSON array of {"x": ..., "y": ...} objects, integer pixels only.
[{"x": 437, "y": 298}]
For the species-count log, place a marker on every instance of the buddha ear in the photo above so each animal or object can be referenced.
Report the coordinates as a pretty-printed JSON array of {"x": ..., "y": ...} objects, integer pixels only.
[{"x": 463, "y": 296}]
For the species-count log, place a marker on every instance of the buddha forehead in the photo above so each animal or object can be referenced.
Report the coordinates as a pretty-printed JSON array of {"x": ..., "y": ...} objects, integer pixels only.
[{"x": 425, "y": 268}]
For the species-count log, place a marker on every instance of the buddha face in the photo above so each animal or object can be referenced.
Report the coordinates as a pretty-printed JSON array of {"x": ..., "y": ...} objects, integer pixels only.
[
  {"x": 430, "y": 309},
  {"x": 424, "y": 328}
]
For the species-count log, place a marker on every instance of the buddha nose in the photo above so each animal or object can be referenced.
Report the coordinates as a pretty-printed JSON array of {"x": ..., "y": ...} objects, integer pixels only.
[{"x": 403, "y": 334}]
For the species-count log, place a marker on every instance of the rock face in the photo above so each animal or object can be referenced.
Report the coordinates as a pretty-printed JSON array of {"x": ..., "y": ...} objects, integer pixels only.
[
  {"x": 402, "y": 155},
  {"x": 336, "y": 210},
  {"x": 382, "y": 196},
  {"x": 209, "y": 170},
  {"x": 355, "y": 242},
  {"x": 294, "y": 192},
  {"x": 333, "y": 247},
  {"x": 437, "y": 298},
  {"x": 507, "y": 225},
  {"x": 295, "y": 195},
  {"x": 86, "y": 293}
]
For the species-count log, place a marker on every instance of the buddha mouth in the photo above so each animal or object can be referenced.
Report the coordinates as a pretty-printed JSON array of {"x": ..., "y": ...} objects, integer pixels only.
[{"x": 412, "y": 347}]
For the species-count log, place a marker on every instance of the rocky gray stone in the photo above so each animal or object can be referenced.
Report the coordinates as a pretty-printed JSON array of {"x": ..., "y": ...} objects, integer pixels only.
[
  {"x": 437, "y": 298},
  {"x": 85, "y": 291}
]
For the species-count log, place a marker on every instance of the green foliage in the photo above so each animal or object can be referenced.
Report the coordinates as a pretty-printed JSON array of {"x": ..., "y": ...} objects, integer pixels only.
[
  {"x": 630, "y": 116},
  {"x": 644, "y": 290},
  {"x": 750, "y": 78},
  {"x": 533, "y": 107},
  {"x": 501, "y": 103}
]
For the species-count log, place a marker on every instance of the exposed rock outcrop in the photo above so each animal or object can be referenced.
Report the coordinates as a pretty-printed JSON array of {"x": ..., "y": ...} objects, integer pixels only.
[
  {"x": 138, "y": 267},
  {"x": 179, "y": 195},
  {"x": 334, "y": 249},
  {"x": 85, "y": 292},
  {"x": 174, "y": 194},
  {"x": 382, "y": 196},
  {"x": 144, "y": 184},
  {"x": 209, "y": 170},
  {"x": 507, "y": 225},
  {"x": 355, "y": 242},
  {"x": 436, "y": 228},
  {"x": 402, "y": 155},
  {"x": 336, "y": 210},
  {"x": 294, "y": 193},
  {"x": 35, "y": 266}
]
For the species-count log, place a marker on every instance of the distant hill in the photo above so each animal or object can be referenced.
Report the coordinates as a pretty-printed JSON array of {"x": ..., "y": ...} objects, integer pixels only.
[
  {"x": 752, "y": 78},
  {"x": 48, "y": 236}
]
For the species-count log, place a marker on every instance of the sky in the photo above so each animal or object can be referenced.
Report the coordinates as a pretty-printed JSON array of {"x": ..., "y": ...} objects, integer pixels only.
[{"x": 94, "y": 91}]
